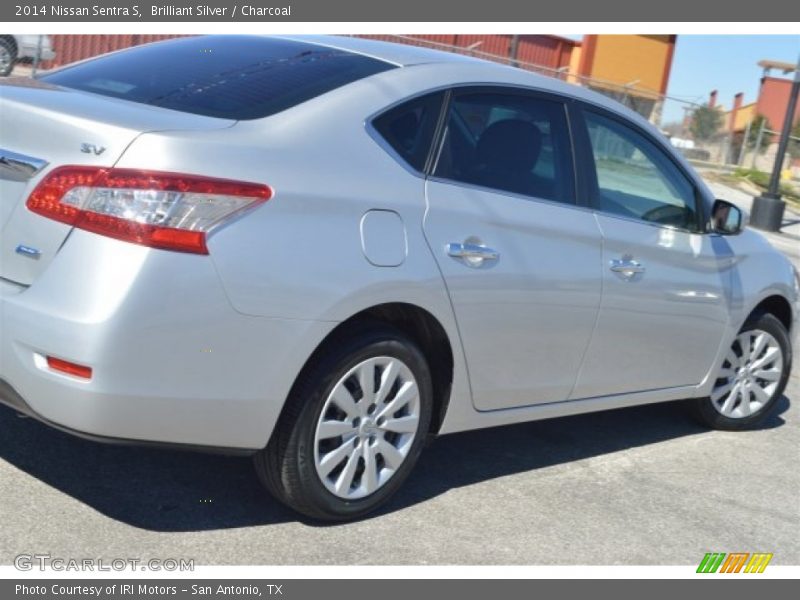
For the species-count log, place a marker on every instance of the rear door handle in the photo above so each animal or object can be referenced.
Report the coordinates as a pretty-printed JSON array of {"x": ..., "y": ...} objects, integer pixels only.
[
  {"x": 473, "y": 255},
  {"x": 627, "y": 267}
]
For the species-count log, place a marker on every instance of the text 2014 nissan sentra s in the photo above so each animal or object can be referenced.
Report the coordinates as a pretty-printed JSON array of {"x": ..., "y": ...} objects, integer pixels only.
[{"x": 323, "y": 251}]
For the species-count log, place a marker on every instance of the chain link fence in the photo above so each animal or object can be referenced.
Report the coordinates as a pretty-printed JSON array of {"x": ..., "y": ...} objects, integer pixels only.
[
  {"x": 752, "y": 149},
  {"x": 649, "y": 103},
  {"x": 496, "y": 48}
]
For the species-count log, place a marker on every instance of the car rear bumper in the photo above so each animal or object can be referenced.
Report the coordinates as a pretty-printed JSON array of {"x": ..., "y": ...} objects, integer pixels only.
[
  {"x": 10, "y": 398},
  {"x": 172, "y": 362}
]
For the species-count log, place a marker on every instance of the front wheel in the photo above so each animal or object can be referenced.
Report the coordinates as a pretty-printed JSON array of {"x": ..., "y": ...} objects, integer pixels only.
[
  {"x": 353, "y": 427},
  {"x": 752, "y": 376}
]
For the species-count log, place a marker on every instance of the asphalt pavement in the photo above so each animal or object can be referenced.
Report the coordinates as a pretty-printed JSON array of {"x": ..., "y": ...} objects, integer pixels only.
[{"x": 644, "y": 485}]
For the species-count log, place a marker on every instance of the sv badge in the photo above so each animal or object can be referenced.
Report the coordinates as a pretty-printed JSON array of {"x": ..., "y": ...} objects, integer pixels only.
[{"x": 92, "y": 149}]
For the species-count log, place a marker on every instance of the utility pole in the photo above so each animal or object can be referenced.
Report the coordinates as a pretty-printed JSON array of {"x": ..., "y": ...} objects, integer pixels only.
[{"x": 767, "y": 213}]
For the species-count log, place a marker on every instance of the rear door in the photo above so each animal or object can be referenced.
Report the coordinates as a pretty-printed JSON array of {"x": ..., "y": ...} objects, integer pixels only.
[
  {"x": 665, "y": 282},
  {"x": 520, "y": 258}
]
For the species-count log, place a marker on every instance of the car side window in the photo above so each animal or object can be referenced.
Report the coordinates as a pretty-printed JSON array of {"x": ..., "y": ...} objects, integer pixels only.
[
  {"x": 637, "y": 179},
  {"x": 409, "y": 128},
  {"x": 509, "y": 142}
]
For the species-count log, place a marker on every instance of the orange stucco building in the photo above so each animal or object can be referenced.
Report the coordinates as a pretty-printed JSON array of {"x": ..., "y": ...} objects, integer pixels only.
[{"x": 773, "y": 98}]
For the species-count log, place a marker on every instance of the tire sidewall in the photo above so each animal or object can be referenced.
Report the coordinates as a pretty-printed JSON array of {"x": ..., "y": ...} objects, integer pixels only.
[
  {"x": 394, "y": 345},
  {"x": 9, "y": 48}
]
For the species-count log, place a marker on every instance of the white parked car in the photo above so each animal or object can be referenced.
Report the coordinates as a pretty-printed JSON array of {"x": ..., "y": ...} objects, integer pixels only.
[
  {"x": 324, "y": 251},
  {"x": 23, "y": 48}
]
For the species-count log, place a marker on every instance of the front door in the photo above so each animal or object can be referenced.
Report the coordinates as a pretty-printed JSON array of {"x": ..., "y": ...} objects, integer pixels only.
[{"x": 665, "y": 282}]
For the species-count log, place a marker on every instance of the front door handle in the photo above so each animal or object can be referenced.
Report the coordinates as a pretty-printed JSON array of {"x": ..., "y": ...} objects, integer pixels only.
[
  {"x": 473, "y": 255},
  {"x": 627, "y": 267}
]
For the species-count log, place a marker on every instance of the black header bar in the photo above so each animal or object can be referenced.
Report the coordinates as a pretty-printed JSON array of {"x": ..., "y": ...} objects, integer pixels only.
[{"x": 449, "y": 11}]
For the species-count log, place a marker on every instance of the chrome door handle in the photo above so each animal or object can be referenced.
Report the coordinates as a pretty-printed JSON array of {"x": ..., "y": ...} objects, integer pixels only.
[
  {"x": 474, "y": 255},
  {"x": 627, "y": 267}
]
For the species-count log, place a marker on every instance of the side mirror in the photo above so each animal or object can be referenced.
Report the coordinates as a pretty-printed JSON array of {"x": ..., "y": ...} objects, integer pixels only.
[{"x": 726, "y": 218}]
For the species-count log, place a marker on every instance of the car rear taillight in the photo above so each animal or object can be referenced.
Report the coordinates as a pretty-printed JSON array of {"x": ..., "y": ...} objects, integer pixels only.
[
  {"x": 170, "y": 211},
  {"x": 70, "y": 368}
]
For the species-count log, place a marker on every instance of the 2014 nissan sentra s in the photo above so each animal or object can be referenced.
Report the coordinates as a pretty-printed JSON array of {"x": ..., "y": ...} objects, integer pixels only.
[{"x": 323, "y": 251}]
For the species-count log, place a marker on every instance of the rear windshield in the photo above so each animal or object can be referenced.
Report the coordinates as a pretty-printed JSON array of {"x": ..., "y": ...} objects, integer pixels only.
[{"x": 231, "y": 77}]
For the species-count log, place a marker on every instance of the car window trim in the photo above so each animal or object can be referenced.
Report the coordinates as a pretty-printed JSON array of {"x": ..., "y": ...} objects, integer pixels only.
[
  {"x": 438, "y": 133},
  {"x": 590, "y": 168},
  {"x": 372, "y": 130},
  {"x": 484, "y": 88}
]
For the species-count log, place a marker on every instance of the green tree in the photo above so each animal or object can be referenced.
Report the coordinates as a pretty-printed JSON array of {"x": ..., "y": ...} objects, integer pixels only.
[
  {"x": 794, "y": 145},
  {"x": 706, "y": 122},
  {"x": 755, "y": 127}
]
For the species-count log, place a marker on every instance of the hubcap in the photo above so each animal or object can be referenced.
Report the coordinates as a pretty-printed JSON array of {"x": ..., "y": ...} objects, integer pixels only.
[
  {"x": 749, "y": 375},
  {"x": 366, "y": 428}
]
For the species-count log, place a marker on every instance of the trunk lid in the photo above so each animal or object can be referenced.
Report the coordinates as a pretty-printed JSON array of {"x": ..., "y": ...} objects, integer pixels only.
[{"x": 43, "y": 127}]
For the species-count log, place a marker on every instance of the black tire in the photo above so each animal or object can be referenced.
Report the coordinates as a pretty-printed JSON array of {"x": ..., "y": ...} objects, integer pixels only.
[
  {"x": 286, "y": 466},
  {"x": 7, "y": 48},
  {"x": 703, "y": 408}
]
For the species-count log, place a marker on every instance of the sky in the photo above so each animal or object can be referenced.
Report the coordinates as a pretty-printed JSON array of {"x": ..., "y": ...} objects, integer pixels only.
[{"x": 727, "y": 63}]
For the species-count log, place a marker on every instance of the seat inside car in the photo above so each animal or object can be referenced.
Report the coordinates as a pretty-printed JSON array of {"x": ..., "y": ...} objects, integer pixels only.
[{"x": 506, "y": 155}]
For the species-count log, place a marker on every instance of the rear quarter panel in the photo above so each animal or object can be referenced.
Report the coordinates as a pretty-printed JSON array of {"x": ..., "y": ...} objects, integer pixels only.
[{"x": 300, "y": 256}]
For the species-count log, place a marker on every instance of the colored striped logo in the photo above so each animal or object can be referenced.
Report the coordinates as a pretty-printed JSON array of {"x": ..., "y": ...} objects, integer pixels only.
[{"x": 735, "y": 562}]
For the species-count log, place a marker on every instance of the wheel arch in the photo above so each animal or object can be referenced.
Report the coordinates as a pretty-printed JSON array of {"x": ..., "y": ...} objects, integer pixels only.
[
  {"x": 417, "y": 323},
  {"x": 778, "y": 306}
]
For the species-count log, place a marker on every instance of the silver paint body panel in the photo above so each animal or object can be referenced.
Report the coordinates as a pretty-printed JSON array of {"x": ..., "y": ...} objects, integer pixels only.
[
  {"x": 526, "y": 318},
  {"x": 204, "y": 349}
]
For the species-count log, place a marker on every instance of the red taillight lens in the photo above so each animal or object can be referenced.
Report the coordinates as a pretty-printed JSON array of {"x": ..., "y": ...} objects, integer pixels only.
[
  {"x": 160, "y": 210},
  {"x": 63, "y": 366}
]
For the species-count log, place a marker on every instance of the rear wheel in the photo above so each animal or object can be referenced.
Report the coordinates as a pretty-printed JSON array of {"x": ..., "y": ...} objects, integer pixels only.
[
  {"x": 353, "y": 427},
  {"x": 751, "y": 378},
  {"x": 8, "y": 56}
]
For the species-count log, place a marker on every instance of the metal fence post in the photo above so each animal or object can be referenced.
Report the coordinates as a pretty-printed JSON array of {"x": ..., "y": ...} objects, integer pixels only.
[
  {"x": 744, "y": 144},
  {"x": 513, "y": 51},
  {"x": 38, "y": 57},
  {"x": 759, "y": 138}
]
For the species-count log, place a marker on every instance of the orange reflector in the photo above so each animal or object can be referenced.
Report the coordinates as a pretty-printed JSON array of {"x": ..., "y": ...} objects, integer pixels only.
[{"x": 63, "y": 366}]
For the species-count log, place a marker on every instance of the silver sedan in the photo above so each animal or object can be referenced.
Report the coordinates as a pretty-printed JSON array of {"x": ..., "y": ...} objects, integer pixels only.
[{"x": 323, "y": 251}]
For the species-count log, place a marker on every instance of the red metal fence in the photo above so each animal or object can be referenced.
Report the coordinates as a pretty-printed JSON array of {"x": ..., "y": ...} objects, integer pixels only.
[
  {"x": 548, "y": 51},
  {"x": 544, "y": 50},
  {"x": 69, "y": 48}
]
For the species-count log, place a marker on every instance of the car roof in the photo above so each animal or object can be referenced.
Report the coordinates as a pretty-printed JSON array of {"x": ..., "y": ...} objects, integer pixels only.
[
  {"x": 467, "y": 69},
  {"x": 403, "y": 55},
  {"x": 473, "y": 69}
]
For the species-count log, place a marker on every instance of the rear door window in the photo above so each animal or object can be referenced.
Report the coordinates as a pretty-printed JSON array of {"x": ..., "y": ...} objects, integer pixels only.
[
  {"x": 230, "y": 77},
  {"x": 512, "y": 142}
]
